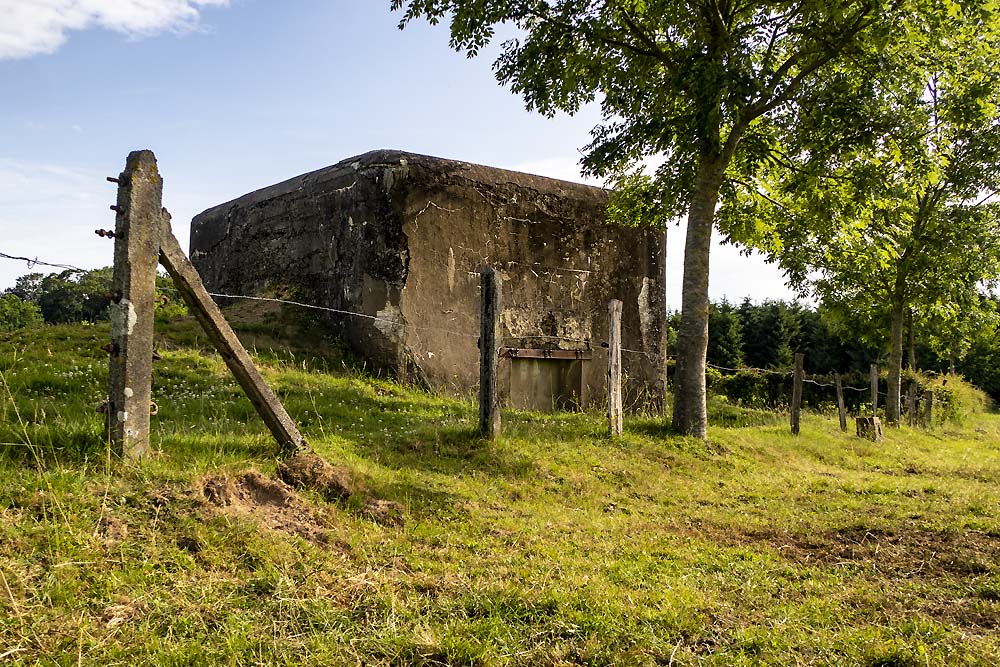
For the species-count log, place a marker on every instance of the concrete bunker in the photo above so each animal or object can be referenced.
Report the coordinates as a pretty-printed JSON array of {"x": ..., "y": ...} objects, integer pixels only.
[{"x": 397, "y": 240}]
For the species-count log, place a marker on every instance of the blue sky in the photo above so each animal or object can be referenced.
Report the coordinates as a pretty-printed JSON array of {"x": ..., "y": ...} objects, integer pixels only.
[{"x": 233, "y": 96}]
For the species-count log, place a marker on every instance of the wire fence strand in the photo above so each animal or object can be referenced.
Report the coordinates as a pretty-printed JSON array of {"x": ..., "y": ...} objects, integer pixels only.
[{"x": 32, "y": 262}]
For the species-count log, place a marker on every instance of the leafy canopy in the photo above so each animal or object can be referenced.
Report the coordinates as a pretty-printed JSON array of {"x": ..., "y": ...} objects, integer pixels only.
[
  {"x": 898, "y": 210},
  {"x": 679, "y": 80}
]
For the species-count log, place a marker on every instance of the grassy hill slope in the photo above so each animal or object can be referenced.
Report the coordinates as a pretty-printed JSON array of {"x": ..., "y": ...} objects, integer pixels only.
[{"x": 554, "y": 546}]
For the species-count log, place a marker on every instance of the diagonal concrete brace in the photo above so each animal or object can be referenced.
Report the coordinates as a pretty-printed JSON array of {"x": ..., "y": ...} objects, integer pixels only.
[{"x": 196, "y": 297}]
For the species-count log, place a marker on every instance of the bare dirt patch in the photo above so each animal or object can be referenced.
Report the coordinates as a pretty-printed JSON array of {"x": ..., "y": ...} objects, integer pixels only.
[
  {"x": 276, "y": 504},
  {"x": 270, "y": 502},
  {"x": 310, "y": 471},
  {"x": 111, "y": 530},
  {"x": 336, "y": 483}
]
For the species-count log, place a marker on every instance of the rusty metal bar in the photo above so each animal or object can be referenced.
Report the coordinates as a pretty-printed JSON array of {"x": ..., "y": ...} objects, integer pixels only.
[{"x": 535, "y": 353}]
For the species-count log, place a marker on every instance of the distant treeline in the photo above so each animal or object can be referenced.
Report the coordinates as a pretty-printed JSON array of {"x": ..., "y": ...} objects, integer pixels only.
[
  {"x": 69, "y": 296},
  {"x": 767, "y": 335}
]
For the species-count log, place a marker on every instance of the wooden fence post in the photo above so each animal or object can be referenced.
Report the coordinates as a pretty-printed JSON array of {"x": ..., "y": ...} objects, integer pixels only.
[
  {"x": 874, "y": 372},
  {"x": 797, "y": 391},
  {"x": 615, "y": 367},
  {"x": 137, "y": 243},
  {"x": 489, "y": 408},
  {"x": 911, "y": 404},
  {"x": 840, "y": 401},
  {"x": 928, "y": 407}
]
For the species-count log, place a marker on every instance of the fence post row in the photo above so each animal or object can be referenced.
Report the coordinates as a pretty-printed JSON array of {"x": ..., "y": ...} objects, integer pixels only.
[
  {"x": 615, "y": 367},
  {"x": 489, "y": 404},
  {"x": 143, "y": 238}
]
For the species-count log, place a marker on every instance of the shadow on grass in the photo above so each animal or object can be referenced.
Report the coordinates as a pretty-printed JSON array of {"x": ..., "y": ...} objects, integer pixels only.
[
  {"x": 54, "y": 445},
  {"x": 422, "y": 502},
  {"x": 669, "y": 440},
  {"x": 733, "y": 416},
  {"x": 447, "y": 449}
]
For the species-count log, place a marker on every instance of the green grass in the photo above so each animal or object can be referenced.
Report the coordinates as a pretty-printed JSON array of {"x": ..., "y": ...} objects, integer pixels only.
[{"x": 555, "y": 545}]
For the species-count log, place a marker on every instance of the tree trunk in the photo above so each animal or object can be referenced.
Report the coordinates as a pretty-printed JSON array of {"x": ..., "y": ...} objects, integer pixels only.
[
  {"x": 911, "y": 342},
  {"x": 892, "y": 401},
  {"x": 690, "y": 410}
]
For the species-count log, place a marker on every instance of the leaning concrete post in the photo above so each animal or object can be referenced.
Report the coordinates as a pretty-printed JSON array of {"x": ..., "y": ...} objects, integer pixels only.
[
  {"x": 615, "y": 366},
  {"x": 841, "y": 410},
  {"x": 137, "y": 243},
  {"x": 489, "y": 404},
  {"x": 797, "y": 391},
  {"x": 874, "y": 372},
  {"x": 206, "y": 311}
]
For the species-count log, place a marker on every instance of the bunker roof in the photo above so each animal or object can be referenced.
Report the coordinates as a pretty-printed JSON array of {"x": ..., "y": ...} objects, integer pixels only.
[{"x": 427, "y": 169}]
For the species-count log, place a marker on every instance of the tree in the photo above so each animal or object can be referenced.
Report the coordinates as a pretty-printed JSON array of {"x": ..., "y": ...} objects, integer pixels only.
[
  {"x": 981, "y": 364},
  {"x": 15, "y": 313},
  {"x": 725, "y": 337},
  {"x": 768, "y": 331},
  {"x": 27, "y": 287},
  {"x": 69, "y": 296},
  {"x": 895, "y": 218},
  {"x": 697, "y": 83},
  {"x": 829, "y": 346}
]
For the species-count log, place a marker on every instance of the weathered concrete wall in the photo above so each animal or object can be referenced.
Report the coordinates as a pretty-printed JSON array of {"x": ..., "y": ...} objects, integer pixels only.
[{"x": 401, "y": 237}]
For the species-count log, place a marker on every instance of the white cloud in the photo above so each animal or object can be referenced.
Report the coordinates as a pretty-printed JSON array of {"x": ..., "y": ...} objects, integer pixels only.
[{"x": 31, "y": 27}]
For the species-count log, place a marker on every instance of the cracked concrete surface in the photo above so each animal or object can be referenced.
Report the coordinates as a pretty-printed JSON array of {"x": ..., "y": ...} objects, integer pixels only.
[{"x": 393, "y": 232}]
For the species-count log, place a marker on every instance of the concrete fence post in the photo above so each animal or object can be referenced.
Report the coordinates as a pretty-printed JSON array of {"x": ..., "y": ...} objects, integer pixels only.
[
  {"x": 874, "y": 372},
  {"x": 491, "y": 306},
  {"x": 911, "y": 404},
  {"x": 205, "y": 310},
  {"x": 137, "y": 244},
  {"x": 143, "y": 238},
  {"x": 928, "y": 408},
  {"x": 615, "y": 367}
]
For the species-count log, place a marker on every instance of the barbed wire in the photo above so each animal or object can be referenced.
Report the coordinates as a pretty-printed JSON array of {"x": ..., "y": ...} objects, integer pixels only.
[
  {"x": 32, "y": 263},
  {"x": 396, "y": 322},
  {"x": 788, "y": 374},
  {"x": 374, "y": 318}
]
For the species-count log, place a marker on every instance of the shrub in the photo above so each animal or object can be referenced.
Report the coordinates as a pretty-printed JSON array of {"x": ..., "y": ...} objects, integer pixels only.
[
  {"x": 15, "y": 313},
  {"x": 751, "y": 388},
  {"x": 955, "y": 399}
]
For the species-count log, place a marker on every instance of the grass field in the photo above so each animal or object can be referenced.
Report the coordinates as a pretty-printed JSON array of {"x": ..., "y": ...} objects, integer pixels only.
[{"x": 555, "y": 545}]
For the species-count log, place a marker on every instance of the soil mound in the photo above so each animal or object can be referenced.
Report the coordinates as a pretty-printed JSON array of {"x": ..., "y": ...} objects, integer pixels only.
[
  {"x": 275, "y": 503},
  {"x": 310, "y": 471}
]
